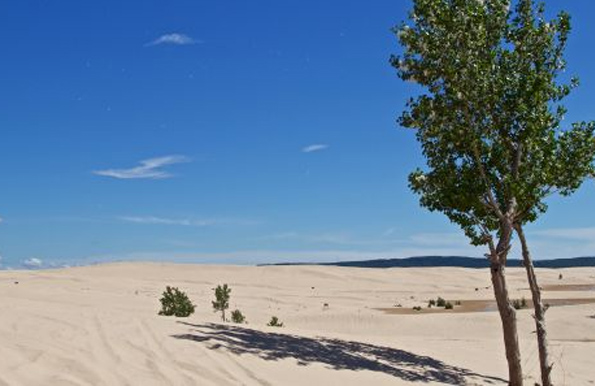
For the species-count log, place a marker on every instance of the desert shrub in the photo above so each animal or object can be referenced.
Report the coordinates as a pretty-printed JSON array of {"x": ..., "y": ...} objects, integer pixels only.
[
  {"x": 560, "y": 277},
  {"x": 275, "y": 322},
  {"x": 417, "y": 308},
  {"x": 431, "y": 303},
  {"x": 440, "y": 302},
  {"x": 458, "y": 303},
  {"x": 175, "y": 302},
  {"x": 519, "y": 304},
  {"x": 448, "y": 306},
  {"x": 238, "y": 317},
  {"x": 221, "y": 302}
]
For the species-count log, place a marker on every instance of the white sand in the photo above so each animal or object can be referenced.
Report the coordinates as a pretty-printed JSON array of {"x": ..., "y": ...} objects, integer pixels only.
[{"x": 99, "y": 326}]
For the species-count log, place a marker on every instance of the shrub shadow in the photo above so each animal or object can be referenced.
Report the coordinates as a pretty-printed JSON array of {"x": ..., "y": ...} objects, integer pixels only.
[{"x": 336, "y": 353}]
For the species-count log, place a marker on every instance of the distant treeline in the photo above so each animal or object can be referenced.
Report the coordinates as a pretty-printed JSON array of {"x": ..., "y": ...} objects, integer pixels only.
[{"x": 455, "y": 261}]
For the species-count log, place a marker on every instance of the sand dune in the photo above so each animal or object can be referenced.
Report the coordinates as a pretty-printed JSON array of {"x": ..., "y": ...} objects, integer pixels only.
[{"x": 99, "y": 326}]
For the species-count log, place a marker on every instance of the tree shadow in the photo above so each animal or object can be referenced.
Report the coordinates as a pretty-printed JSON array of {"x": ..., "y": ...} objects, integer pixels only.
[{"x": 336, "y": 353}]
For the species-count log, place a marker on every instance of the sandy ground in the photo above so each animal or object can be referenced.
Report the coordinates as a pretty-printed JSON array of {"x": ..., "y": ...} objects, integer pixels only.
[{"x": 99, "y": 326}]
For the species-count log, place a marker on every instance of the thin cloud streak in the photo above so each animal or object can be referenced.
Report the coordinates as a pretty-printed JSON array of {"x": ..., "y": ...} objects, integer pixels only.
[
  {"x": 585, "y": 234},
  {"x": 314, "y": 148},
  {"x": 177, "y": 39},
  {"x": 263, "y": 256},
  {"x": 148, "y": 169},
  {"x": 187, "y": 221},
  {"x": 32, "y": 263},
  {"x": 165, "y": 221}
]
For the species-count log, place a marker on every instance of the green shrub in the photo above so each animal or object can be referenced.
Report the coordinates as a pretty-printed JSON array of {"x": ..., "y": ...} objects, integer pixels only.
[
  {"x": 175, "y": 302},
  {"x": 448, "y": 306},
  {"x": 275, "y": 322},
  {"x": 431, "y": 303},
  {"x": 238, "y": 317},
  {"x": 221, "y": 302},
  {"x": 440, "y": 302},
  {"x": 519, "y": 304},
  {"x": 417, "y": 308}
]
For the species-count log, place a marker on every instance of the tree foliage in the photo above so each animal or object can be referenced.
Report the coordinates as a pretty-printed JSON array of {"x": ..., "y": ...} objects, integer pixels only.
[{"x": 489, "y": 121}]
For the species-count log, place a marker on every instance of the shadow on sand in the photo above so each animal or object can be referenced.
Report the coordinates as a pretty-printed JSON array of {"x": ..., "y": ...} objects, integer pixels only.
[{"x": 337, "y": 354}]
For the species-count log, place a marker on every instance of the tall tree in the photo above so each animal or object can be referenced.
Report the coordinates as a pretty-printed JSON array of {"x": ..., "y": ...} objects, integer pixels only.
[{"x": 489, "y": 124}]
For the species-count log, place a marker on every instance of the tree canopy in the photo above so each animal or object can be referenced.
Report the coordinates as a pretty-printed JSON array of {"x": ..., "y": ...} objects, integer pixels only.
[{"x": 490, "y": 119}]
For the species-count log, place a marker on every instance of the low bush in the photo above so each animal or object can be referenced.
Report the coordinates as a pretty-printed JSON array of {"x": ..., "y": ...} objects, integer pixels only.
[
  {"x": 238, "y": 317},
  {"x": 275, "y": 322},
  {"x": 519, "y": 304},
  {"x": 440, "y": 302},
  {"x": 175, "y": 303}
]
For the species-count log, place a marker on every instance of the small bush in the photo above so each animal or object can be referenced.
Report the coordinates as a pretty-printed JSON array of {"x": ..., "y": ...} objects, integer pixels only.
[
  {"x": 275, "y": 322},
  {"x": 448, "y": 306},
  {"x": 458, "y": 303},
  {"x": 431, "y": 303},
  {"x": 238, "y": 317},
  {"x": 560, "y": 277},
  {"x": 440, "y": 302},
  {"x": 519, "y": 304},
  {"x": 175, "y": 302},
  {"x": 417, "y": 308}
]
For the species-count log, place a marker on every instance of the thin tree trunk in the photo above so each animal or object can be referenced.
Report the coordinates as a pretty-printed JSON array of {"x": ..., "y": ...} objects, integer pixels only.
[
  {"x": 505, "y": 308},
  {"x": 544, "y": 363}
]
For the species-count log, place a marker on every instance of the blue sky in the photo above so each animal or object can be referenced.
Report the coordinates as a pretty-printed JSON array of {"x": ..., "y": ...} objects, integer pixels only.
[{"x": 232, "y": 131}]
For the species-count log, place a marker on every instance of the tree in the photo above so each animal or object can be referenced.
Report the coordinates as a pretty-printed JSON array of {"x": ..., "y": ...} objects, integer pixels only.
[
  {"x": 175, "y": 302},
  {"x": 221, "y": 302},
  {"x": 489, "y": 124}
]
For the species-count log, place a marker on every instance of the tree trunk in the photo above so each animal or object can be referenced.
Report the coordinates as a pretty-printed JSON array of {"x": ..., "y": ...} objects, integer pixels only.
[
  {"x": 544, "y": 363},
  {"x": 505, "y": 308},
  {"x": 509, "y": 325}
]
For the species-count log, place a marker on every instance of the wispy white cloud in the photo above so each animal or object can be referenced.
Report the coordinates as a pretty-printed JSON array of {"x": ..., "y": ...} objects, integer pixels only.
[
  {"x": 166, "y": 221},
  {"x": 264, "y": 256},
  {"x": 439, "y": 239},
  {"x": 32, "y": 263},
  {"x": 177, "y": 39},
  {"x": 314, "y": 147},
  {"x": 187, "y": 221},
  {"x": 149, "y": 168},
  {"x": 389, "y": 232},
  {"x": 586, "y": 234}
]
